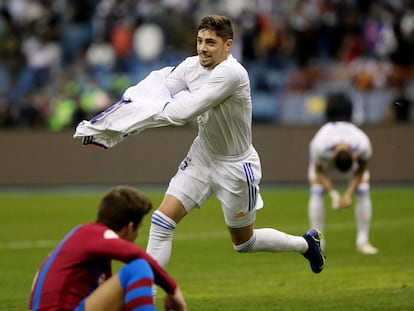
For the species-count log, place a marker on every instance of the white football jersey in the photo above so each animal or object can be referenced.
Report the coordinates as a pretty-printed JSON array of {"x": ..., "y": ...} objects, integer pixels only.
[
  {"x": 219, "y": 98},
  {"x": 334, "y": 133}
]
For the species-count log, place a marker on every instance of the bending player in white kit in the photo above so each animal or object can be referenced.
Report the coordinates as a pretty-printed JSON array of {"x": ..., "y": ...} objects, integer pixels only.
[
  {"x": 342, "y": 147},
  {"x": 222, "y": 160}
]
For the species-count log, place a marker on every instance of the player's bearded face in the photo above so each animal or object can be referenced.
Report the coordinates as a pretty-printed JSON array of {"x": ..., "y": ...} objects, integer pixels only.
[{"x": 211, "y": 49}]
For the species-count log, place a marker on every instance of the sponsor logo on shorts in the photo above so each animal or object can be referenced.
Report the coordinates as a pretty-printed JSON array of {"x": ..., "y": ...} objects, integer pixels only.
[{"x": 240, "y": 214}]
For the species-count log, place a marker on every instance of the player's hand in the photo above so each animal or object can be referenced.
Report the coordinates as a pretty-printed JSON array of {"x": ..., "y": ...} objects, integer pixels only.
[
  {"x": 335, "y": 198},
  {"x": 345, "y": 201},
  {"x": 175, "y": 302}
]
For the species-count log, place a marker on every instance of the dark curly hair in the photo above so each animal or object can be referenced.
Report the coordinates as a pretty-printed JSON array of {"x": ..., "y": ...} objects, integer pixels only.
[
  {"x": 343, "y": 160},
  {"x": 121, "y": 205},
  {"x": 221, "y": 25}
]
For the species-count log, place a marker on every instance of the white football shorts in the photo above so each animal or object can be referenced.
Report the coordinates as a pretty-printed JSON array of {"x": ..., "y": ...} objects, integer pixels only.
[{"x": 234, "y": 181}]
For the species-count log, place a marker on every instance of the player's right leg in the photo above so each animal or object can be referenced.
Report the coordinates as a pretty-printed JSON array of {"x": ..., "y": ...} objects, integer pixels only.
[
  {"x": 163, "y": 223},
  {"x": 189, "y": 188}
]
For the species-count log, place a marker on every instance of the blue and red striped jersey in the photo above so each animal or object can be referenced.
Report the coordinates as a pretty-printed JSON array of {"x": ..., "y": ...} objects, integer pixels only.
[{"x": 80, "y": 262}]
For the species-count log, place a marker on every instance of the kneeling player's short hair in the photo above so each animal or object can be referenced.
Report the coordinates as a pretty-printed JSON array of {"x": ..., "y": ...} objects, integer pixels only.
[{"x": 121, "y": 205}]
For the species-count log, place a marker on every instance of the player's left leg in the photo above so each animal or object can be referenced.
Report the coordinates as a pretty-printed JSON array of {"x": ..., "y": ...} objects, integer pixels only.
[
  {"x": 240, "y": 198},
  {"x": 137, "y": 280},
  {"x": 266, "y": 240},
  {"x": 363, "y": 215},
  {"x": 316, "y": 209},
  {"x": 272, "y": 240},
  {"x": 129, "y": 290}
]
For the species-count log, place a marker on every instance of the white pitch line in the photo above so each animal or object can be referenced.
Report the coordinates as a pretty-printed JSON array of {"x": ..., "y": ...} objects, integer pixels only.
[
  {"x": 27, "y": 244},
  {"x": 186, "y": 236}
]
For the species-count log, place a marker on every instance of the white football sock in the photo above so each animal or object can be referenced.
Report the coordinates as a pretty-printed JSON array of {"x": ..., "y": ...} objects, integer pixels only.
[
  {"x": 160, "y": 237},
  {"x": 272, "y": 240},
  {"x": 316, "y": 207},
  {"x": 363, "y": 214}
]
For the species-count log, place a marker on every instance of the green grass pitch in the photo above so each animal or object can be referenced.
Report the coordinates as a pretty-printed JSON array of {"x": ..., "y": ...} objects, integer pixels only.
[{"x": 212, "y": 275}]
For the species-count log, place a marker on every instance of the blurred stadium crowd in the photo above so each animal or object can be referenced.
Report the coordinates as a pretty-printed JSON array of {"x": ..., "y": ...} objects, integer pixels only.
[{"x": 62, "y": 61}]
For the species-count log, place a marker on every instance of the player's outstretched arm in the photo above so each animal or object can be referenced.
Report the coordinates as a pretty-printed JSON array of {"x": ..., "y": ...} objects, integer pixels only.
[{"x": 175, "y": 302}]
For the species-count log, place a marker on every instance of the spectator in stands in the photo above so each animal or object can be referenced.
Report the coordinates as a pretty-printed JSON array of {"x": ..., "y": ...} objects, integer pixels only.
[
  {"x": 42, "y": 55},
  {"x": 273, "y": 36},
  {"x": 10, "y": 55},
  {"x": 338, "y": 107},
  {"x": 400, "y": 110}
]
